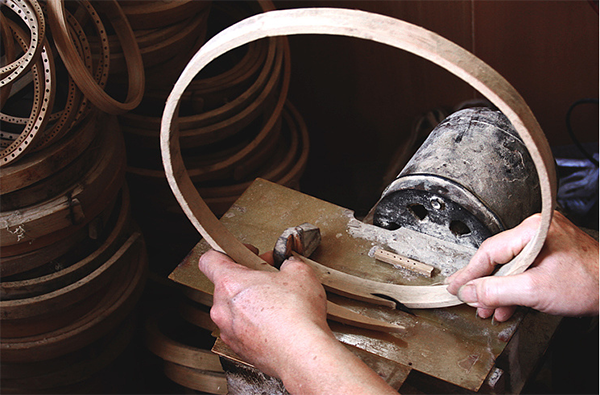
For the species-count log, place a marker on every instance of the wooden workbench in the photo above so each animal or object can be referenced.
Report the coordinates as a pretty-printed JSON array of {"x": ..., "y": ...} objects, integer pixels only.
[{"x": 442, "y": 350}]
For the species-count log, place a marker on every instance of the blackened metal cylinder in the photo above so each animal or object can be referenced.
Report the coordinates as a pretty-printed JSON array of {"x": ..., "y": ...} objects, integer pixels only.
[{"x": 473, "y": 177}]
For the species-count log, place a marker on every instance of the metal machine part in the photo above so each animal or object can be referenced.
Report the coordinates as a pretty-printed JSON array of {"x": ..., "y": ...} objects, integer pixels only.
[{"x": 473, "y": 177}]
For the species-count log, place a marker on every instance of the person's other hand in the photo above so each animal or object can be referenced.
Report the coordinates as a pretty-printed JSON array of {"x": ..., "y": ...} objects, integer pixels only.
[{"x": 563, "y": 280}]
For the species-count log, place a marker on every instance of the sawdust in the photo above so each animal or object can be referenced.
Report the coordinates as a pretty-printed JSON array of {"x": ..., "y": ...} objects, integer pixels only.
[
  {"x": 445, "y": 256},
  {"x": 13, "y": 225}
]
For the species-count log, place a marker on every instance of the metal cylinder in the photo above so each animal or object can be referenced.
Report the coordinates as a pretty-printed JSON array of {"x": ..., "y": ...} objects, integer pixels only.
[{"x": 473, "y": 177}]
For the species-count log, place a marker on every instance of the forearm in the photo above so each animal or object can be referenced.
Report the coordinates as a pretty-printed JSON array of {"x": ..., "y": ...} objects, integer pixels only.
[{"x": 326, "y": 366}]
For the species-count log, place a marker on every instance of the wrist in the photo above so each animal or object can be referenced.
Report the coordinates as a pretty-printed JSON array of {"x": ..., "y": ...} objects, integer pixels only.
[{"x": 323, "y": 365}]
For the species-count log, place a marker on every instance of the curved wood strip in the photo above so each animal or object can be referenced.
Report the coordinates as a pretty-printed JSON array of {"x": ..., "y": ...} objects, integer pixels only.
[
  {"x": 90, "y": 225},
  {"x": 217, "y": 124},
  {"x": 382, "y": 29},
  {"x": 55, "y": 183},
  {"x": 282, "y": 160},
  {"x": 76, "y": 105},
  {"x": 195, "y": 316},
  {"x": 284, "y": 167},
  {"x": 9, "y": 54}
]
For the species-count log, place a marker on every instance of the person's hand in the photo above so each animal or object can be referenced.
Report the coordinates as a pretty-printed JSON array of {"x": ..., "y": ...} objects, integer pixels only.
[
  {"x": 563, "y": 280},
  {"x": 260, "y": 314},
  {"x": 278, "y": 322}
]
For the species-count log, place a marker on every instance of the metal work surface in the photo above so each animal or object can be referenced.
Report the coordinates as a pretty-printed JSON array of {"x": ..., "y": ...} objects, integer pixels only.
[{"x": 450, "y": 344}]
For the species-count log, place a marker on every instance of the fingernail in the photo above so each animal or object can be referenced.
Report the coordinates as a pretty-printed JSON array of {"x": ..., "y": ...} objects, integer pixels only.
[{"x": 467, "y": 293}]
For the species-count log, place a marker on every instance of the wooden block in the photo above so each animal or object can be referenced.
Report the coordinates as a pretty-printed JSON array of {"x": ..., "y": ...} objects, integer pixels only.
[{"x": 403, "y": 262}]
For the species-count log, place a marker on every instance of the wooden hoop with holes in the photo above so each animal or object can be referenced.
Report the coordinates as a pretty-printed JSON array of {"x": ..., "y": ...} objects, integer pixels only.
[
  {"x": 31, "y": 14},
  {"x": 84, "y": 80},
  {"x": 43, "y": 100},
  {"x": 378, "y": 28}
]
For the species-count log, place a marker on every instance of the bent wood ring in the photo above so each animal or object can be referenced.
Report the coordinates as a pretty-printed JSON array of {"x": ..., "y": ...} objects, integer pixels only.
[{"x": 378, "y": 28}]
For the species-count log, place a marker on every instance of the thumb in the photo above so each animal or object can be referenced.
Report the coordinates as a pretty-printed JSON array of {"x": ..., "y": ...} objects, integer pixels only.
[{"x": 493, "y": 292}]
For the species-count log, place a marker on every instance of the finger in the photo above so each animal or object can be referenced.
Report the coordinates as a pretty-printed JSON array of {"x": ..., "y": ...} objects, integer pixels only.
[
  {"x": 484, "y": 313},
  {"x": 502, "y": 314},
  {"x": 494, "y": 292},
  {"x": 496, "y": 250},
  {"x": 293, "y": 264},
  {"x": 215, "y": 265}
]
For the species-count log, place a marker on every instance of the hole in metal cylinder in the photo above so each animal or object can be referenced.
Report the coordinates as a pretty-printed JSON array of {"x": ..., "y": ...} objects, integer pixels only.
[
  {"x": 459, "y": 228},
  {"x": 418, "y": 211}
]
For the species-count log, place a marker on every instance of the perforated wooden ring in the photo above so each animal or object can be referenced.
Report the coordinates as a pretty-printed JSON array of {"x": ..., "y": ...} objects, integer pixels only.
[
  {"x": 9, "y": 54},
  {"x": 378, "y": 28},
  {"x": 84, "y": 80},
  {"x": 43, "y": 101},
  {"x": 36, "y": 167},
  {"x": 32, "y": 15},
  {"x": 77, "y": 106}
]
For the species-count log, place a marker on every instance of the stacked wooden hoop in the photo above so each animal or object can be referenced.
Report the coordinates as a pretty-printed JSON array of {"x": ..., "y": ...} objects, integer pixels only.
[
  {"x": 73, "y": 262},
  {"x": 183, "y": 342},
  {"x": 165, "y": 31},
  {"x": 236, "y": 125}
]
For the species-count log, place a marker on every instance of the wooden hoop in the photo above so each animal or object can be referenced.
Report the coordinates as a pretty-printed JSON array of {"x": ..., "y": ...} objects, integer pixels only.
[
  {"x": 84, "y": 80},
  {"x": 53, "y": 375},
  {"x": 173, "y": 350},
  {"x": 158, "y": 14},
  {"x": 79, "y": 203},
  {"x": 31, "y": 14},
  {"x": 43, "y": 100},
  {"x": 199, "y": 380},
  {"x": 76, "y": 105},
  {"x": 378, "y": 28},
  {"x": 10, "y": 54},
  {"x": 27, "y": 288},
  {"x": 60, "y": 244},
  {"x": 230, "y": 118},
  {"x": 42, "y": 164},
  {"x": 115, "y": 306}
]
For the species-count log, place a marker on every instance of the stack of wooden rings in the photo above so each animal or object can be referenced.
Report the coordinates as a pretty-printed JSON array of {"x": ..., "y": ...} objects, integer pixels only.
[
  {"x": 73, "y": 262},
  {"x": 184, "y": 348},
  {"x": 167, "y": 32},
  {"x": 236, "y": 124},
  {"x": 44, "y": 96}
]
